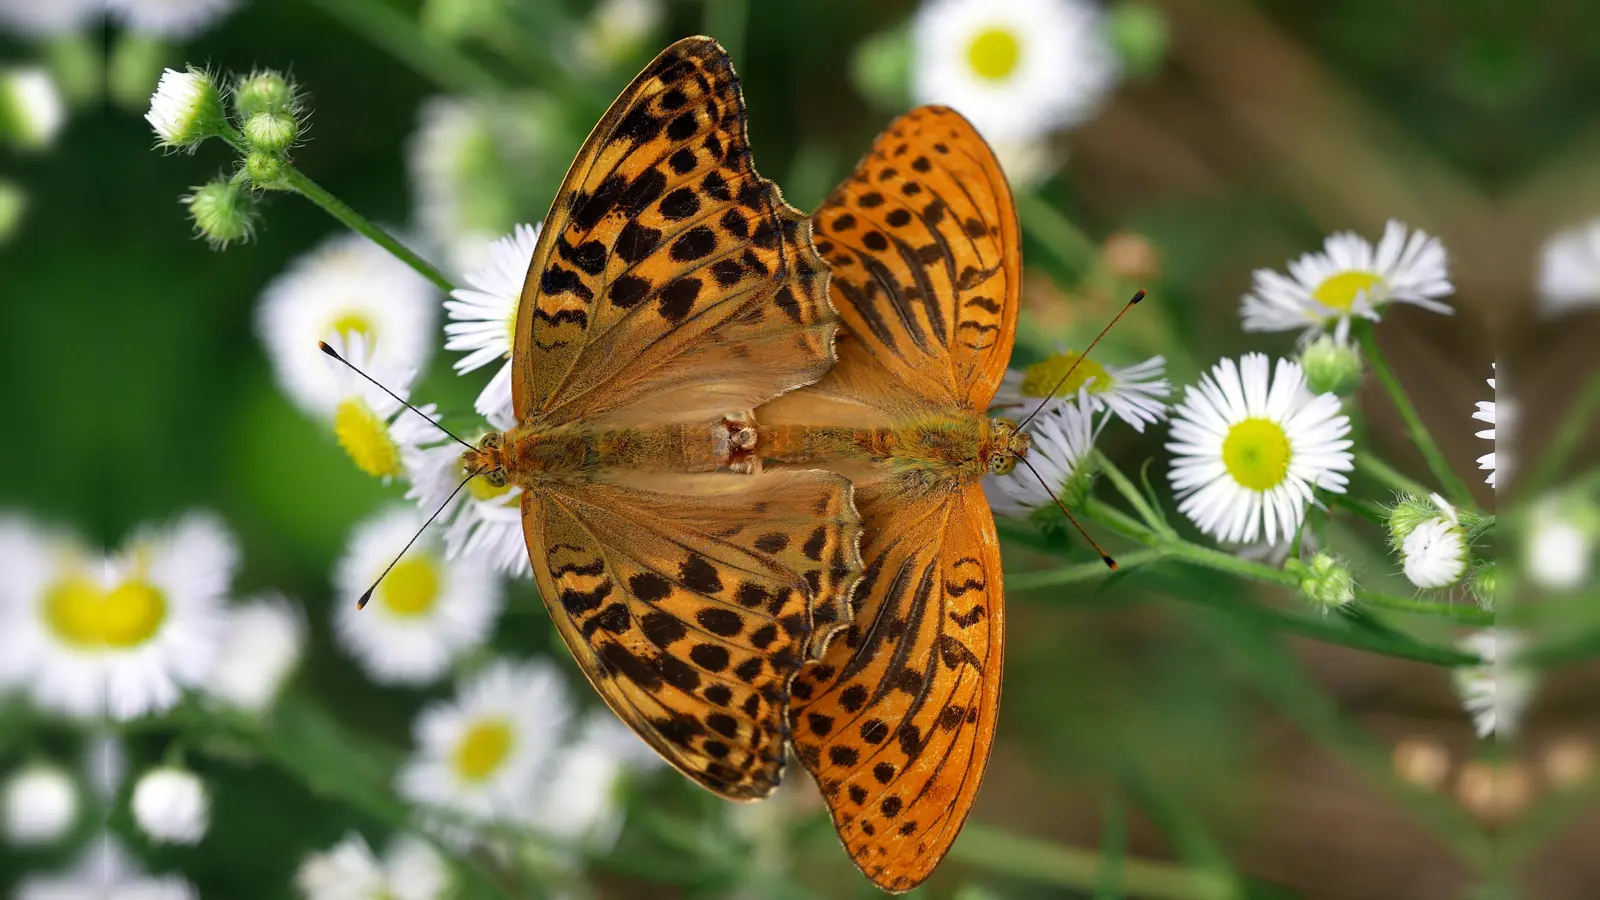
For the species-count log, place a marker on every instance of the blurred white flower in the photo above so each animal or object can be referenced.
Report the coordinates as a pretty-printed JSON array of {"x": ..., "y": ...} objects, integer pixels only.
[
  {"x": 1063, "y": 436},
  {"x": 1486, "y": 413},
  {"x": 382, "y": 437},
  {"x": 45, "y": 18},
  {"x": 186, "y": 108},
  {"x": 617, "y": 30},
  {"x": 1029, "y": 163},
  {"x": 1558, "y": 541},
  {"x": 578, "y": 801},
  {"x": 172, "y": 805},
  {"x": 483, "y": 316},
  {"x": 1017, "y": 70},
  {"x": 176, "y": 19},
  {"x": 1569, "y": 273},
  {"x": 120, "y": 637},
  {"x": 1495, "y": 693},
  {"x": 1250, "y": 447},
  {"x": 426, "y": 613},
  {"x": 410, "y": 870},
  {"x": 264, "y": 641},
  {"x": 1349, "y": 278},
  {"x": 1434, "y": 552},
  {"x": 38, "y": 804},
  {"x": 1136, "y": 394},
  {"x": 31, "y": 108},
  {"x": 105, "y": 872},
  {"x": 345, "y": 285}
]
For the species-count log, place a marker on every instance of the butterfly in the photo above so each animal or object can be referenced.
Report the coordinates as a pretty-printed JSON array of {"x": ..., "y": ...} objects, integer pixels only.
[
  {"x": 896, "y": 719},
  {"x": 672, "y": 291}
]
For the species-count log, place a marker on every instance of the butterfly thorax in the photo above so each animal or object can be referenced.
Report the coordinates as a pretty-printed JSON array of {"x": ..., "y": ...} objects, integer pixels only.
[
  {"x": 530, "y": 455},
  {"x": 927, "y": 447}
]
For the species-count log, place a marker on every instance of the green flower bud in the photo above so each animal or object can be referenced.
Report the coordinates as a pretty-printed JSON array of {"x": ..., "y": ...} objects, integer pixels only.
[
  {"x": 881, "y": 68},
  {"x": 1408, "y": 512},
  {"x": 1139, "y": 34},
  {"x": 1331, "y": 366},
  {"x": 13, "y": 202},
  {"x": 264, "y": 91},
  {"x": 1325, "y": 580},
  {"x": 1487, "y": 579},
  {"x": 223, "y": 212},
  {"x": 31, "y": 109},
  {"x": 186, "y": 109},
  {"x": 271, "y": 132},
  {"x": 264, "y": 169}
]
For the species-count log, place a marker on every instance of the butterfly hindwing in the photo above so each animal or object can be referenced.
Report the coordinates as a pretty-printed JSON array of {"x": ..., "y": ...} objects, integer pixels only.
[
  {"x": 667, "y": 264},
  {"x": 686, "y": 601}
]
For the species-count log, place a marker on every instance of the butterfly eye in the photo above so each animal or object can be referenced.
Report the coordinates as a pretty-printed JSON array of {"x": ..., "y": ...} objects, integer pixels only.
[{"x": 495, "y": 477}]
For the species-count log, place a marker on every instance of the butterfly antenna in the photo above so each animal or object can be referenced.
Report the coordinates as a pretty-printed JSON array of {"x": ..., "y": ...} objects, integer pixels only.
[
  {"x": 362, "y": 603},
  {"x": 1104, "y": 556},
  {"x": 335, "y": 354},
  {"x": 1138, "y": 295}
]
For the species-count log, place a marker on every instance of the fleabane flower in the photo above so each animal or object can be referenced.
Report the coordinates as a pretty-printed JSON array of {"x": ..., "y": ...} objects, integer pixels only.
[
  {"x": 1349, "y": 278},
  {"x": 411, "y": 869},
  {"x": 1496, "y": 692},
  {"x": 1486, "y": 413},
  {"x": 1136, "y": 394},
  {"x": 1018, "y": 70},
  {"x": 345, "y": 285},
  {"x": 186, "y": 108},
  {"x": 483, "y": 316},
  {"x": 171, "y": 805},
  {"x": 38, "y": 804},
  {"x": 32, "y": 111},
  {"x": 616, "y": 30},
  {"x": 1251, "y": 445},
  {"x": 1433, "y": 552},
  {"x": 578, "y": 801},
  {"x": 377, "y": 431},
  {"x": 264, "y": 642},
  {"x": 426, "y": 612},
  {"x": 105, "y": 871},
  {"x": 1559, "y": 540},
  {"x": 175, "y": 19},
  {"x": 1062, "y": 437},
  {"x": 1569, "y": 270}
]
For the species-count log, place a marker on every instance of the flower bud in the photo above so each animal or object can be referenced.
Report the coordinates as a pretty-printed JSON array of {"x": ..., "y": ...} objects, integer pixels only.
[
  {"x": 264, "y": 91},
  {"x": 222, "y": 211},
  {"x": 185, "y": 109},
  {"x": 1487, "y": 579},
  {"x": 271, "y": 132},
  {"x": 1331, "y": 366},
  {"x": 1325, "y": 580},
  {"x": 1408, "y": 512},
  {"x": 31, "y": 109},
  {"x": 172, "y": 806},
  {"x": 38, "y": 805},
  {"x": 1139, "y": 33},
  {"x": 264, "y": 169}
]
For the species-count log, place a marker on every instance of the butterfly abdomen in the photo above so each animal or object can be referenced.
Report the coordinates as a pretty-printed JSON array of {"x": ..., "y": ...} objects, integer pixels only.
[{"x": 821, "y": 444}]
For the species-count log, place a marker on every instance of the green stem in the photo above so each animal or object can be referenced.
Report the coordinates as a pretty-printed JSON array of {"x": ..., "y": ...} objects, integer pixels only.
[
  {"x": 1113, "y": 850},
  {"x": 1071, "y": 867},
  {"x": 296, "y": 181},
  {"x": 1388, "y": 475},
  {"x": 725, "y": 20},
  {"x": 400, "y": 35},
  {"x": 1063, "y": 238},
  {"x": 1574, "y": 427},
  {"x": 1457, "y": 612},
  {"x": 1131, "y": 493},
  {"x": 1452, "y": 486}
]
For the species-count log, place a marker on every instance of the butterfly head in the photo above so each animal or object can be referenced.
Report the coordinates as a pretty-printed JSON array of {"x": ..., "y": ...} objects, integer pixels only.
[
  {"x": 1007, "y": 444},
  {"x": 489, "y": 458}
]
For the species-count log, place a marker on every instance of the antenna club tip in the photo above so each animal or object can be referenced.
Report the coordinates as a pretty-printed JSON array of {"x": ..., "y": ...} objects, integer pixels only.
[
  {"x": 1110, "y": 563},
  {"x": 323, "y": 346},
  {"x": 362, "y": 603},
  {"x": 1137, "y": 296}
]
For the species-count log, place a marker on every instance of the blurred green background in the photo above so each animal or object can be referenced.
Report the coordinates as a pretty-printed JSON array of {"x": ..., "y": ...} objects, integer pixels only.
[{"x": 136, "y": 388}]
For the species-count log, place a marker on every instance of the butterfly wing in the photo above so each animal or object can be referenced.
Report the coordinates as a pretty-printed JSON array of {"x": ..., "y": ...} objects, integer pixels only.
[
  {"x": 897, "y": 719},
  {"x": 667, "y": 264},
  {"x": 927, "y": 259},
  {"x": 685, "y": 602}
]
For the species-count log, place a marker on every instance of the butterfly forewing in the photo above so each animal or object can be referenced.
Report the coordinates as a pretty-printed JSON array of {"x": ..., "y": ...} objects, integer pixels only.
[
  {"x": 667, "y": 264},
  {"x": 926, "y": 255}
]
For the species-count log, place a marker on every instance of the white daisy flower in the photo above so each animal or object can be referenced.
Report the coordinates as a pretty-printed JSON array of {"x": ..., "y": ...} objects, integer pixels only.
[
  {"x": 32, "y": 111},
  {"x": 1349, "y": 278},
  {"x": 1250, "y": 448},
  {"x": 480, "y": 756},
  {"x": 1495, "y": 693},
  {"x": 175, "y": 19},
  {"x": 426, "y": 612},
  {"x": 1062, "y": 439},
  {"x": 579, "y": 799},
  {"x": 171, "y": 805},
  {"x": 1434, "y": 552},
  {"x": 483, "y": 316},
  {"x": 1136, "y": 394},
  {"x": 410, "y": 870},
  {"x": 1569, "y": 273},
  {"x": 106, "y": 872},
  {"x": 379, "y": 433},
  {"x": 38, "y": 805},
  {"x": 481, "y": 521},
  {"x": 1486, "y": 413},
  {"x": 33, "y": 19},
  {"x": 186, "y": 108},
  {"x": 120, "y": 637},
  {"x": 346, "y": 285},
  {"x": 1018, "y": 69},
  {"x": 1558, "y": 543},
  {"x": 617, "y": 30},
  {"x": 264, "y": 641}
]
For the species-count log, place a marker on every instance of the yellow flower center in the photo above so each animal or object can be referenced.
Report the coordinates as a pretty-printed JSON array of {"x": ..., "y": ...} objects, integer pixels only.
[
  {"x": 994, "y": 54},
  {"x": 1257, "y": 454},
  {"x": 1042, "y": 377},
  {"x": 82, "y": 614},
  {"x": 411, "y": 587},
  {"x": 485, "y": 746},
  {"x": 1340, "y": 291},
  {"x": 365, "y": 436},
  {"x": 355, "y": 323}
]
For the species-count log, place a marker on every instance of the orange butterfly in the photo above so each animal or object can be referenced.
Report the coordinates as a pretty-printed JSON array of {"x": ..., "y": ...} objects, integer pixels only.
[
  {"x": 671, "y": 292},
  {"x": 896, "y": 720}
]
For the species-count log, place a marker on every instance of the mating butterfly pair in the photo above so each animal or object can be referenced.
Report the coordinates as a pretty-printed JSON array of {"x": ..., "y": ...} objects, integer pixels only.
[{"x": 719, "y": 480}]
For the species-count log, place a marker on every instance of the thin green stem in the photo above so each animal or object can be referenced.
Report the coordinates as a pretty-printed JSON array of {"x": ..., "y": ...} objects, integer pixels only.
[
  {"x": 403, "y": 38},
  {"x": 1459, "y": 613},
  {"x": 1059, "y": 234},
  {"x": 1072, "y": 867},
  {"x": 1452, "y": 486},
  {"x": 1113, "y": 849},
  {"x": 1574, "y": 426},
  {"x": 1131, "y": 493},
  {"x": 1388, "y": 475},
  {"x": 296, "y": 181},
  {"x": 725, "y": 20}
]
